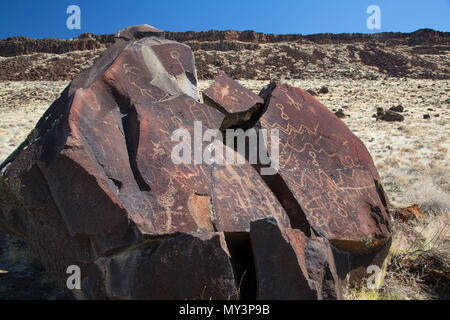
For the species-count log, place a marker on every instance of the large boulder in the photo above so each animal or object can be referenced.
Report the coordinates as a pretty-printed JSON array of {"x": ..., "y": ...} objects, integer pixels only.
[
  {"x": 96, "y": 184},
  {"x": 327, "y": 169},
  {"x": 328, "y": 174}
]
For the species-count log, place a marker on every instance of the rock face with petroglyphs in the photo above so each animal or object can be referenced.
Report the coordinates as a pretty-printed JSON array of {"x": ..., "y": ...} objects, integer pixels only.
[{"x": 97, "y": 184}]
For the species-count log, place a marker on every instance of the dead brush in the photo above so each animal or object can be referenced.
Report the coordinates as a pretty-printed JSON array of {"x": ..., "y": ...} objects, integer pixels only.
[
  {"x": 420, "y": 267},
  {"x": 418, "y": 264},
  {"x": 426, "y": 275}
]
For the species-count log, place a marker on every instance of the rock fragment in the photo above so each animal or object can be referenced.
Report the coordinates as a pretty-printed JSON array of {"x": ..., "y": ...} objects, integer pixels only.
[
  {"x": 340, "y": 114},
  {"x": 290, "y": 265},
  {"x": 239, "y": 104},
  {"x": 389, "y": 115},
  {"x": 392, "y": 116},
  {"x": 323, "y": 90},
  {"x": 152, "y": 271},
  {"x": 398, "y": 108},
  {"x": 328, "y": 171},
  {"x": 409, "y": 213}
]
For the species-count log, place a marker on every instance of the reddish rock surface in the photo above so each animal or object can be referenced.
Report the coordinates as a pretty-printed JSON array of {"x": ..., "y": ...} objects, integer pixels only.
[
  {"x": 410, "y": 213},
  {"x": 95, "y": 185},
  {"x": 327, "y": 169},
  {"x": 154, "y": 272},
  {"x": 328, "y": 174},
  {"x": 292, "y": 266},
  {"x": 239, "y": 104}
]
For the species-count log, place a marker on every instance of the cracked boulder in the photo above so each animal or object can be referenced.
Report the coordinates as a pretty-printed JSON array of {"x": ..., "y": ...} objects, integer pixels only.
[
  {"x": 292, "y": 266},
  {"x": 238, "y": 104},
  {"x": 329, "y": 173},
  {"x": 125, "y": 176},
  {"x": 327, "y": 169},
  {"x": 95, "y": 184}
]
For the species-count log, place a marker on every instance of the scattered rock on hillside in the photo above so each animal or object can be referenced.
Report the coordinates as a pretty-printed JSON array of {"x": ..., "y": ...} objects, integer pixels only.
[
  {"x": 239, "y": 105},
  {"x": 398, "y": 108},
  {"x": 380, "y": 112},
  {"x": 323, "y": 90},
  {"x": 340, "y": 114},
  {"x": 409, "y": 213},
  {"x": 389, "y": 116},
  {"x": 392, "y": 116}
]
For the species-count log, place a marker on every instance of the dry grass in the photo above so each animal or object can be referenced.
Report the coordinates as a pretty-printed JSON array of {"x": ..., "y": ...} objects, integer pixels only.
[{"x": 418, "y": 264}]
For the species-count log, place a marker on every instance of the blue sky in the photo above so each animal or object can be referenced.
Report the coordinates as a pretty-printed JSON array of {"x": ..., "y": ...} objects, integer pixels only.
[{"x": 45, "y": 18}]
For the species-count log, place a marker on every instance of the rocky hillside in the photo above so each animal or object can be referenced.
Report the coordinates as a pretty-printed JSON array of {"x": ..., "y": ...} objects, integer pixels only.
[{"x": 423, "y": 54}]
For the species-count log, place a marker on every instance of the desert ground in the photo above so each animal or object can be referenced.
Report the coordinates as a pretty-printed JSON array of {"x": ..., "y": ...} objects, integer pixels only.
[{"x": 412, "y": 158}]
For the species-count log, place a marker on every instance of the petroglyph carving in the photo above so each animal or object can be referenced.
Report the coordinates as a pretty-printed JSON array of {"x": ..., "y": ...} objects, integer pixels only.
[{"x": 95, "y": 186}]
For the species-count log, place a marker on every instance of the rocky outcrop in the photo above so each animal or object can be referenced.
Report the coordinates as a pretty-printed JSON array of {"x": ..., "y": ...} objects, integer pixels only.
[
  {"x": 389, "y": 115},
  {"x": 97, "y": 184},
  {"x": 327, "y": 170},
  {"x": 16, "y": 46},
  {"x": 249, "y": 55},
  {"x": 428, "y": 37},
  {"x": 239, "y": 105},
  {"x": 225, "y": 40},
  {"x": 409, "y": 213}
]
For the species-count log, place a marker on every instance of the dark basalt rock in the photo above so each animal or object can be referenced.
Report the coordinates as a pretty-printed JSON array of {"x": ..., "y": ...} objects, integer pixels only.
[
  {"x": 391, "y": 116},
  {"x": 327, "y": 169},
  {"x": 95, "y": 185},
  {"x": 292, "y": 266},
  {"x": 398, "y": 108},
  {"x": 340, "y": 114},
  {"x": 239, "y": 104},
  {"x": 138, "y": 32}
]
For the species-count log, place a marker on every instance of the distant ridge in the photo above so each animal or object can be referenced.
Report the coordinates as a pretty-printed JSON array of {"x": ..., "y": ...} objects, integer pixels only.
[
  {"x": 423, "y": 54},
  {"x": 14, "y": 46}
]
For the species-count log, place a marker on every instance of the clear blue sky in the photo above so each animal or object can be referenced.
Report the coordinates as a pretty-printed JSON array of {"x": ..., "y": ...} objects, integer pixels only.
[{"x": 45, "y": 18}]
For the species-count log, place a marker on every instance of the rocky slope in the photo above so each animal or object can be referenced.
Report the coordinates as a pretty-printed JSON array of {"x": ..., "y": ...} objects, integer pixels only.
[{"x": 423, "y": 54}]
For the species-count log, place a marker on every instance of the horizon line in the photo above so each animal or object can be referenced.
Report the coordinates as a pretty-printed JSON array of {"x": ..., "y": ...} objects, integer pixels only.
[{"x": 247, "y": 30}]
